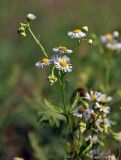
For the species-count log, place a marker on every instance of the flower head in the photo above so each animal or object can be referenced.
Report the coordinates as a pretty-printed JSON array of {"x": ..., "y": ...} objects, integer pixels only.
[
  {"x": 62, "y": 63},
  {"x": 62, "y": 50},
  {"x": 103, "y": 108},
  {"x": 103, "y": 99},
  {"x": 79, "y": 111},
  {"x": 78, "y": 33},
  {"x": 95, "y": 154},
  {"x": 31, "y": 17},
  {"x": 93, "y": 95},
  {"x": 18, "y": 158},
  {"x": 43, "y": 62}
]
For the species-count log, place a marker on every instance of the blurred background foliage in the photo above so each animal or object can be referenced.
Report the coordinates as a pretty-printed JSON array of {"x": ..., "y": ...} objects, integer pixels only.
[{"x": 23, "y": 87}]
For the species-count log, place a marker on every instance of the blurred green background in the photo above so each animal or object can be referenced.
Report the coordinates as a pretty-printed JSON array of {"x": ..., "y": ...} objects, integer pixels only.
[{"x": 22, "y": 86}]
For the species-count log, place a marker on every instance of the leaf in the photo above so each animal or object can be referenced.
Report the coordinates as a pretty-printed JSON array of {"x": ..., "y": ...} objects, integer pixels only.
[
  {"x": 74, "y": 103},
  {"x": 52, "y": 107}
]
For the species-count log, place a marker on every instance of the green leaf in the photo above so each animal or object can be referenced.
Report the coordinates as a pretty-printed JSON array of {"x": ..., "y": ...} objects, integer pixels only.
[
  {"x": 52, "y": 107},
  {"x": 74, "y": 103}
]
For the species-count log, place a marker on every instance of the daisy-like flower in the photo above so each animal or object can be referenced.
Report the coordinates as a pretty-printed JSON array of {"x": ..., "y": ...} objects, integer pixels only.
[
  {"x": 114, "y": 46},
  {"x": 62, "y": 63},
  {"x": 106, "y": 38},
  {"x": 102, "y": 98},
  {"x": 79, "y": 111},
  {"x": 78, "y": 33},
  {"x": 43, "y": 62},
  {"x": 93, "y": 95},
  {"x": 17, "y": 158},
  {"x": 62, "y": 50},
  {"x": 103, "y": 108},
  {"x": 110, "y": 157},
  {"x": 31, "y": 17},
  {"x": 95, "y": 154}
]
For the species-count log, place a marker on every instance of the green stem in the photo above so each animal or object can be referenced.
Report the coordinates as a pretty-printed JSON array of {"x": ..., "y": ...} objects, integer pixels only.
[
  {"x": 38, "y": 42},
  {"x": 66, "y": 113}
]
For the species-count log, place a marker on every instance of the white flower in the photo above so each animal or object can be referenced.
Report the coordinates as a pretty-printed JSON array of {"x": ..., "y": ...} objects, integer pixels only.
[
  {"x": 110, "y": 157},
  {"x": 114, "y": 46},
  {"x": 77, "y": 33},
  {"x": 106, "y": 38},
  {"x": 43, "y": 62},
  {"x": 94, "y": 139},
  {"x": 31, "y": 17},
  {"x": 17, "y": 158},
  {"x": 79, "y": 111},
  {"x": 115, "y": 34},
  {"x": 93, "y": 95},
  {"x": 62, "y": 63},
  {"x": 103, "y": 108},
  {"x": 62, "y": 50},
  {"x": 104, "y": 99},
  {"x": 95, "y": 154}
]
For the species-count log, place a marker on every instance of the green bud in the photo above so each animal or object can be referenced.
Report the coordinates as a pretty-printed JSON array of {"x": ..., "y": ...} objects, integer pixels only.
[
  {"x": 82, "y": 126},
  {"x": 52, "y": 79}
]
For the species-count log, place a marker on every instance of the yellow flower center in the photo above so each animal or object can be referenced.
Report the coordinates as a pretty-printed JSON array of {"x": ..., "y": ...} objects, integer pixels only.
[
  {"x": 44, "y": 60},
  {"x": 103, "y": 107},
  {"x": 63, "y": 64},
  {"x": 94, "y": 96},
  {"x": 109, "y": 36},
  {"x": 62, "y": 48},
  {"x": 77, "y": 31},
  {"x": 81, "y": 110}
]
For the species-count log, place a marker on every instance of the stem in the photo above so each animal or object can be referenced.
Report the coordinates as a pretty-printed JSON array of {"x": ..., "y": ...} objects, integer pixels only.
[
  {"x": 66, "y": 113},
  {"x": 37, "y": 41}
]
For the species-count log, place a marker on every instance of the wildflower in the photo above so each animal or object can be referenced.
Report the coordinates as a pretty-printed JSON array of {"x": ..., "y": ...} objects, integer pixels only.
[
  {"x": 106, "y": 38},
  {"x": 79, "y": 111},
  {"x": 62, "y": 63},
  {"x": 78, "y": 33},
  {"x": 102, "y": 98},
  {"x": 94, "y": 139},
  {"x": 95, "y": 154},
  {"x": 103, "y": 108},
  {"x": 93, "y": 95},
  {"x": 31, "y": 17},
  {"x": 62, "y": 50},
  {"x": 110, "y": 157},
  {"x": 18, "y": 158},
  {"x": 114, "y": 46},
  {"x": 82, "y": 112},
  {"x": 43, "y": 62},
  {"x": 115, "y": 34}
]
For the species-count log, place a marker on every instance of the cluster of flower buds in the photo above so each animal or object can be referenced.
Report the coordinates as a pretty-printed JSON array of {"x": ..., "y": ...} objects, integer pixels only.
[
  {"x": 22, "y": 29},
  {"x": 110, "y": 41},
  {"x": 23, "y": 26}
]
